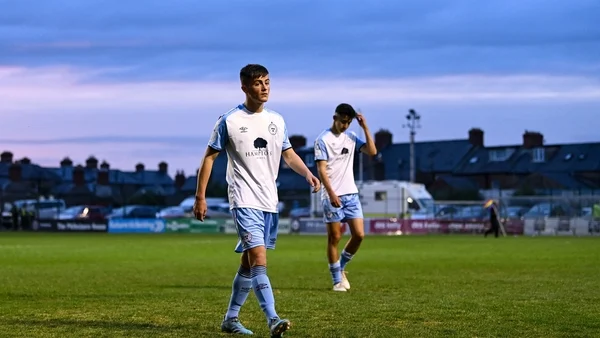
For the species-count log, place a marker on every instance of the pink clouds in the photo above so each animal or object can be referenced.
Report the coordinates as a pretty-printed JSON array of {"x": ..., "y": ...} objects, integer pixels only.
[
  {"x": 65, "y": 89},
  {"x": 58, "y": 102}
]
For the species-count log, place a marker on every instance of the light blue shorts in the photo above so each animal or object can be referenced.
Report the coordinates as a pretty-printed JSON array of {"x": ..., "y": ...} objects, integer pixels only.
[
  {"x": 350, "y": 209},
  {"x": 255, "y": 228}
]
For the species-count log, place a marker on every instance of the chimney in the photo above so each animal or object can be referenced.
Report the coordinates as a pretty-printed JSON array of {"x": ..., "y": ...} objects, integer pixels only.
[
  {"x": 163, "y": 167},
  {"x": 139, "y": 167},
  {"x": 104, "y": 165},
  {"x": 103, "y": 178},
  {"x": 66, "y": 162},
  {"x": 297, "y": 141},
  {"x": 476, "y": 137},
  {"x": 383, "y": 139},
  {"x": 78, "y": 176},
  {"x": 14, "y": 172},
  {"x": 6, "y": 157},
  {"x": 25, "y": 160},
  {"x": 180, "y": 179},
  {"x": 91, "y": 163},
  {"x": 532, "y": 139}
]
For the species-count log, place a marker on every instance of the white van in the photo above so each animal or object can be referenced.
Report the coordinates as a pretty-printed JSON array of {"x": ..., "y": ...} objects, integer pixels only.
[{"x": 388, "y": 199}]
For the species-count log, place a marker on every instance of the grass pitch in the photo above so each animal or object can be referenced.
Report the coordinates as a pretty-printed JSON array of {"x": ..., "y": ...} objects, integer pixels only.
[{"x": 104, "y": 285}]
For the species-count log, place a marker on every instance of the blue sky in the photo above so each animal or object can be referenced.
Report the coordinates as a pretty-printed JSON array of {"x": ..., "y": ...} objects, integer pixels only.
[{"x": 144, "y": 81}]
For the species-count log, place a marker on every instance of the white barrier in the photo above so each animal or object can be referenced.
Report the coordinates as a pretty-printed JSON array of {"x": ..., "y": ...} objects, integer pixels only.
[{"x": 561, "y": 226}]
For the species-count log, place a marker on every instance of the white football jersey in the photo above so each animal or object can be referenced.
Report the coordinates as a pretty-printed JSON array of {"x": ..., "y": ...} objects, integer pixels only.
[
  {"x": 338, "y": 151},
  {"x": 253, "y": 143}
]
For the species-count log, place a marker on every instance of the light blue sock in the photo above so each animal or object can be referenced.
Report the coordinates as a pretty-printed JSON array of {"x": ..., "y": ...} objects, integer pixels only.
[
  {"x": 242, "y": 284},
  {"x": 263, "y": 291},
  {"x": 336, "y": 272},
  {"x": 346, "y": 258}
]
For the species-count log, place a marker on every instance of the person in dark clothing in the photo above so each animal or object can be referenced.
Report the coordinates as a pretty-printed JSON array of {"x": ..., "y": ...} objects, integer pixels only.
[
  {"x": 15, "y": 213},
  {"x": 494, "y": 222},
  {"x": 24, "y": 219}
]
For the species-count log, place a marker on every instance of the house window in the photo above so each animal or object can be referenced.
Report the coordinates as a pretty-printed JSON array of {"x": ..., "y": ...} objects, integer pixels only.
[
  {"x": 381, "y": 195},
  {"x": 496, "y": 155},
  {"x": 499, "y": 155},
  {"x": 309, "y": 160},
  {"x": 539, "y": 155}
]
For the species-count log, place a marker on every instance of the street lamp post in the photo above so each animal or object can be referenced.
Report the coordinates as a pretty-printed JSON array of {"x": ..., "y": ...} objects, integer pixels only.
[{"x": 412, "y": 123}]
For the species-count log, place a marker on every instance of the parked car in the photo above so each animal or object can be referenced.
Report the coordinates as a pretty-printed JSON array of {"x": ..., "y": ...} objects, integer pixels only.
[
  {"x": 83, "y": 212},
  {"x": 546, "y": 209},
  {"x": 447, "y": 212},
  {"x": 513, "y": 212},
  {"x": 134, "y": 211},
  {"x": 173, "y": 212},
  {"x": 43, "y": 208},
  {"x": 300, "y": 212},
  {"x": 7, "y": 216},
  {"x": 220, "y": 210}
]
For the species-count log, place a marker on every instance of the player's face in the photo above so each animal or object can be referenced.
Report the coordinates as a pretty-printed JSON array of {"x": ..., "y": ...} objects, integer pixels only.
[
  {"x": 341, "y": 122},
  {"x": 258, "y": 90}
]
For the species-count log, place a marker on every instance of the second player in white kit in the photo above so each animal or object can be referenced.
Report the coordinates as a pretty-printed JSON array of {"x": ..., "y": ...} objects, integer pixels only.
[{"x": 334, "y": 153}]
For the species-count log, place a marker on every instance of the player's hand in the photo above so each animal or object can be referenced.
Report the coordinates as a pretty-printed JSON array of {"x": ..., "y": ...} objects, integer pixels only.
[
  {"x": 361, "y": 120},
  {"x": 200, "y": 209},
  {"x": 335, "y": 201},
  {"x": 314, "y": 182}
]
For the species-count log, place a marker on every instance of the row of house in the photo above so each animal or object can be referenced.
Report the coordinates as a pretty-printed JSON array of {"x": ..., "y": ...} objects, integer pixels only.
[
  {"x": 467, "y": 164},
  {"x": 459, "y": 165}
]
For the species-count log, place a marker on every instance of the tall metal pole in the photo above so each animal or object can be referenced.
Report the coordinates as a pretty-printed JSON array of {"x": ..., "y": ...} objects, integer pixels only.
[
  {"x": 412, "y": 123},
  {"x": 412, "y": 156}
]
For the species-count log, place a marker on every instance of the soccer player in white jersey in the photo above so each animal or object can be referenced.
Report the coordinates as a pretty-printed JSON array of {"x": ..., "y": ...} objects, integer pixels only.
[
  {"x": 254, "y": 138},
  {"x": 334, "y": 153}
]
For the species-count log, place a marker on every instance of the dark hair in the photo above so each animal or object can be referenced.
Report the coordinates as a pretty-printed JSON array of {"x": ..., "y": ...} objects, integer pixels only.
[
  {"x": 251, "y": 72},
  {"x": 345, "y": 110}
]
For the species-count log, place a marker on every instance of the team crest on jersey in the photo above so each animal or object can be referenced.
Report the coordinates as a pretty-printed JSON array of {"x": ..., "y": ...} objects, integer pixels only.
[
  {"x": 247, "y": 237},
  {"x": 272, "y": 128}
]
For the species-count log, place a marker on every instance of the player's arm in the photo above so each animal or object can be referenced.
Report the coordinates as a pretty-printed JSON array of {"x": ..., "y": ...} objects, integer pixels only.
[
  {"x": 295, "y": 162},
  {"x": 291, "y": 158},
  {"x": 205, "y": 170},
  {"x": 367, "y": 147},
  {"x": 218, "y": 142},
  {"x": 322, "y": 170},
  {"x": 321, "y": 157}
]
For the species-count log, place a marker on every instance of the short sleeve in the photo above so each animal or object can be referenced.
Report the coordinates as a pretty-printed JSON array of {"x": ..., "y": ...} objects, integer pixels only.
[
  {"x": 219, "y": 137},
  {"x": 321, "y": 150},
  {"x": 359, "y": 142},
  {"x": 286, "y": 140}
]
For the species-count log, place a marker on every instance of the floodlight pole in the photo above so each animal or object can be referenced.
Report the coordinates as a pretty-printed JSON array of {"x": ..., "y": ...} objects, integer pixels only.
[{"x": 413, "y": 122}]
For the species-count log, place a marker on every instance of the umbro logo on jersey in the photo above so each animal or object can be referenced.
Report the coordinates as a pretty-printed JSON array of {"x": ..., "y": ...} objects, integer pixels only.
[{"x": 243, "y": 129}]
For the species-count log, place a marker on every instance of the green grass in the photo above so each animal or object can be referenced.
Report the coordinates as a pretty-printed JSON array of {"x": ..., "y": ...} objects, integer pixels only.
[{"x": 101, "y": 285}]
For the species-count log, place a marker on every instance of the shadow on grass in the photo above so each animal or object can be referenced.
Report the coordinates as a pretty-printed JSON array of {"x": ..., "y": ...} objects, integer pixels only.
[
  {"x": 65, "y": 296},
  {"x": 106, "y": 326},
  {"x": 99, "y": 324},
  {"x": 228, "y": 287}
]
